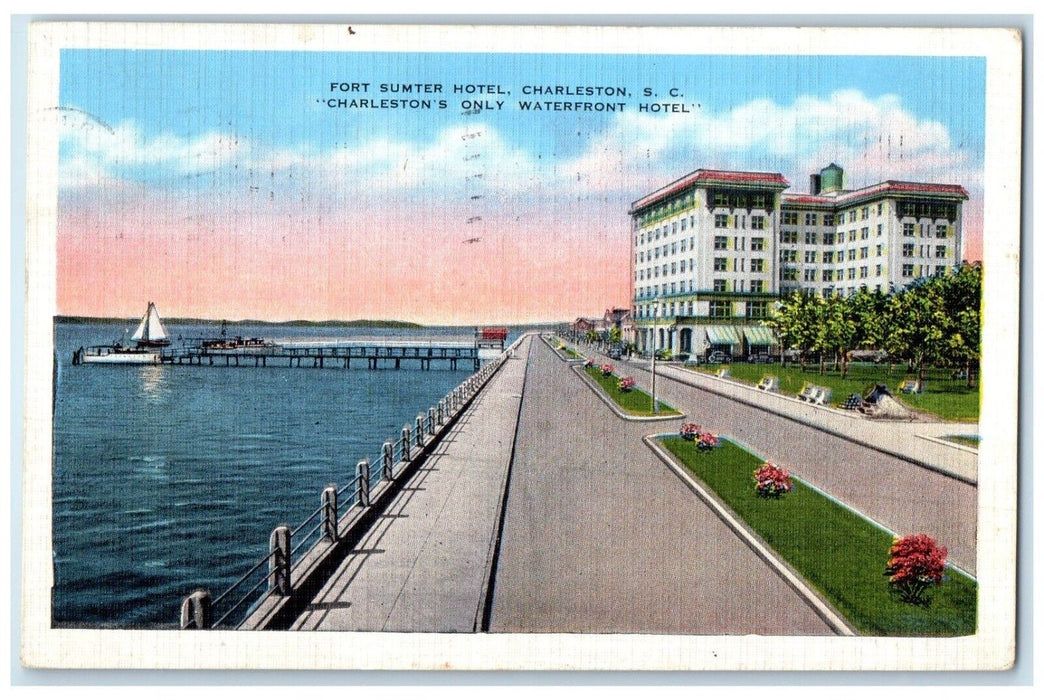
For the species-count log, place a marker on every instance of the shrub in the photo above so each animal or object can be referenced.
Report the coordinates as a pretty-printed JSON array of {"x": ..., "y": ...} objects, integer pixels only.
[
  {"x": 772, "y": 481},
  {"x": 690, "y": 431},
  {"x": 626, "y": 384},
  {"x": 707, "y": 442},
  {"x": 915, "y": 564},
  {"x": 589, "y": 363},
  {"x": 607, "y": 369}
]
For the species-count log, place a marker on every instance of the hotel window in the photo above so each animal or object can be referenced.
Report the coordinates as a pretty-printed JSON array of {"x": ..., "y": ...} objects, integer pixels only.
[
  {"x": 757, "y": 286},
  {"x": 721, "y": 309},
  {"x": 828, "y": 219},
  {"x": 941, "y": 231},
  {"x": 790, "y": 218},
  {"x": 865, "y": 232},
  {"x": 851, "y": 254},
  {"x": 757, "y": 223},
  {"x": 757, "y": 244},
  {"x": 692, "y": 243},
  {"x": 788, "y": 255},
  {"x": 828, "y": 257},
  {"x": 683, "y": 266},
  {"x": 851, "y": 216},
  {"x": 790, "y": 274},
  {"x": 828, "y": 275},
  {"x": 810, "y": 237},
  {"x": 721, "y": 264},
  {"x": 720, "y": 286},
  {"x": 864, "y": 253},
  {"x": 757, "y": 201},
  {"x": 852, "y": 236},
  {"x": 810, "y": 256},
  {"x": 840, "y": 256},
  {"x": 810, "y": 219},
  {"x": 908, "y": 270},
  {"x": 877, "y": 270},
  {"x": 657, "y": 233},
  {"x": 940, "y": 251},
  {"x": 788, "y": 237},
  {"x": 721, "y": 221},
  {"x": 880, "y": 209},
  {"x": 674, "y": 248},
  {"x": 683, "y": 245},
  {"x": 865, "y": 213},
  {"x": 851, "y": 273},
  {"x": 721, "y": 242},
  {"x": 880, "y": 250},
  {"x": 674, "y": 227},
  {"x": 908, "y": 229},
  {"x": 828, "y": 238},
  {"x": 810, "y": 275},
  {"x": 656, "y": 252},
  {"x": 864, "y": 272},
  {"x": 880, "y": 229},
  {"x": 665, "y": 269},
  {"x": 757, "y": 309},
  {"x": 683, "y": 223},
  {"x": 721, "y": 199},
  {"x": 908, "y": 250},
  {"x": 674, "y": 268},
  {"x": 757, "y": 265}
]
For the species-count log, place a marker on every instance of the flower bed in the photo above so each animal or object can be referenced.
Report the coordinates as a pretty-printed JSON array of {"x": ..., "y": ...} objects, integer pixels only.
[
  {"x": 771, "y": 481},
  {"x": 838, "y": 551},
  {"x": 633, "y": 400},
  {"x": 626, "y": 384},
  {"x": 607, "y": 369}
]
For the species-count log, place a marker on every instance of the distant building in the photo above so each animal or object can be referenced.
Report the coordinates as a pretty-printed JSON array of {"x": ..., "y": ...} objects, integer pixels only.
[{"x": 715, "y": 249}]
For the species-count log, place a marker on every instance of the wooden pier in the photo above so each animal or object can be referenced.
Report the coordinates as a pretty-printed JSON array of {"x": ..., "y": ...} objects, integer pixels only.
[{"x": 388, "y": 355}]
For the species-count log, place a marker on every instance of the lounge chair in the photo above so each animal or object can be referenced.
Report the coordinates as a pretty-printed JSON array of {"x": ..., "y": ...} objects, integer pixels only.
[
  {"x": 807, "y": 392},
  {"x": 724, "y": 372},
  {"x": 910, "y": 386},
  {"x": 822, "y": 396}
]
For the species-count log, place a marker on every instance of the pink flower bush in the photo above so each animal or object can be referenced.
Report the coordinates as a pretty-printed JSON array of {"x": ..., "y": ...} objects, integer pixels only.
[
  {"x": 690, "y": 431},
  {"x": 607, "y": 369},
  {"x": 772, "y": 481},
  {"x": 589, "y": 363},
  {"x": 915, "y": 564},
  {"x": 626, "y": 384},
  {"x": 707, "y": 442}
]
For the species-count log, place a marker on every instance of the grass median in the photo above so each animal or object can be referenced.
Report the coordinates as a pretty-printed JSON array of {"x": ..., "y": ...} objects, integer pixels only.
[
  {"x": 842, "y": 554},
  {"x": 636, "y": 401},
  {"x": 949, "y": 399}
]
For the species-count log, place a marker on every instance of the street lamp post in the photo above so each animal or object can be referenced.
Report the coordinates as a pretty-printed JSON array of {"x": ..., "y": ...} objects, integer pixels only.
[{"x": 656, "y": 314}]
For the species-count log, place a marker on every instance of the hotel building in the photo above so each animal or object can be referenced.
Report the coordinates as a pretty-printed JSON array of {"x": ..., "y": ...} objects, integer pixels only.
[{"x": 712, "y": 251}]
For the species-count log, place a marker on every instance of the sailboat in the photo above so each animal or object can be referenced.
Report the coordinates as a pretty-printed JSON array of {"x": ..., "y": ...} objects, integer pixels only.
[{"x": 149, "y": 340}]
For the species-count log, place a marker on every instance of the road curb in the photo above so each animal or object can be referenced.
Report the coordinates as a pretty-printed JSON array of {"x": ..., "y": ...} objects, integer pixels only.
[{"x": 795, "y": 581}]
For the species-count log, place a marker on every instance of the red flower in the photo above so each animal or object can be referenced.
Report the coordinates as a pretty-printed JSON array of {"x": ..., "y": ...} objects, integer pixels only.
[
  {"x": 915, "y": 563},
  {"x": 772, "y": 481}
]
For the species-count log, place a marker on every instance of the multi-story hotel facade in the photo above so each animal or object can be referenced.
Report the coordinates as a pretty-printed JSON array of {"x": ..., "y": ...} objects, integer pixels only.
[{"x": 714, "y": 250}]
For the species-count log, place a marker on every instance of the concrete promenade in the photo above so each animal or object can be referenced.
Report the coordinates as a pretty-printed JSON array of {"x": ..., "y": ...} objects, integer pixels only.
[
  {"x": 600, "y": 536},
  {"x": 900, "y": 495},
  {"x": 426, "y": 565}
]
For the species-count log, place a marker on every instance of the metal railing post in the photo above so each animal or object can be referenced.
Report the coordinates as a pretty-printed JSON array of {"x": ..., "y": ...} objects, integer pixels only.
[
  {"x": 406, "y": 443},
  {"x": 431, "y": 421},
  {"x": 441, "y": 412},
  {"x": 196, "y": 610},
  {"x": 418, "y": 433},
  {"x": 330, "y": 512},
  {"x": 388, "y": 460},
  {"x": 362, "y": 470},
  {"x": 279, "y": 563}
]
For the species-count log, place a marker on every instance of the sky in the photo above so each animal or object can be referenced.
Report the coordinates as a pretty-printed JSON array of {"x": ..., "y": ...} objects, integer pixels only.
[{"x": 235, "y": 184}]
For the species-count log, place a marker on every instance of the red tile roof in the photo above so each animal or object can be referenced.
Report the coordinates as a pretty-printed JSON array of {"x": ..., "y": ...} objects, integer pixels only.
[
  {"x": 771, "y": 180},
  {"x": 880, "y": 189}
]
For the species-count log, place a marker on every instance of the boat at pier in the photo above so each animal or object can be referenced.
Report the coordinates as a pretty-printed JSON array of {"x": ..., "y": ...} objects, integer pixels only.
[
  {"x": 224, "y": 344},
  {"x": 148, "y": 340}
]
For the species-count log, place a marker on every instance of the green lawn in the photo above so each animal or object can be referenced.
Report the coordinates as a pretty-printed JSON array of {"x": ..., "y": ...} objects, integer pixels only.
[
  {"x": 839, "y": 552},
  {"x": 634, "y": 401},
  {"x": 969, "y": 440},
  {"x": 572, "y": 353},
  {"x": 949, "y": 399}
]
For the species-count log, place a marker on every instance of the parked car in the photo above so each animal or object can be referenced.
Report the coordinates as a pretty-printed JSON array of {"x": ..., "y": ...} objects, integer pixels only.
[
  {"x": 681, "y": 356},
  {"x": 615, "y": 353},
  {"x": 693, "y": 361},
  {"x": 719, "y": 358},
  {"x": 759, "y": 358}
]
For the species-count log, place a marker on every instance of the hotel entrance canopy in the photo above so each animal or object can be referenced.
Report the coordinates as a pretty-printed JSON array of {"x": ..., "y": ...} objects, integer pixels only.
[
  {"x": 722, "y": 335},
  {"x": 758, "y": 335}
]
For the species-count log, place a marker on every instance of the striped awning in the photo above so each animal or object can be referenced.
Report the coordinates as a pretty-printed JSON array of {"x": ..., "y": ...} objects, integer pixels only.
[
  {"x": 759, "y": 335},
  {"x": 722, "y": 335}
]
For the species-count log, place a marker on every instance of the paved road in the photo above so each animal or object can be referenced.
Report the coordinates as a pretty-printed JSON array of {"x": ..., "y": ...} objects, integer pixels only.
[
  {"x": 425, "y": 566},
  {"x": 901, "y": 496},
  {"x": 599, "y": 536}
]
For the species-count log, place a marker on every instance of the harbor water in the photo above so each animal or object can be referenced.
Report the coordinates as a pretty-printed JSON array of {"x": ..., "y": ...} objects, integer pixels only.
[{"x": 169, "y": 478}]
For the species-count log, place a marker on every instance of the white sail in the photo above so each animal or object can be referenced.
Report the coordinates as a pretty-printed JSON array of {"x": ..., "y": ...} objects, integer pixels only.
[{"x": 150, "y": 328}]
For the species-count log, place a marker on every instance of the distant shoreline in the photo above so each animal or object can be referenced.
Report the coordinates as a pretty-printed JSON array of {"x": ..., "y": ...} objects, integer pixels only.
[{"x": 359, "y": 323}]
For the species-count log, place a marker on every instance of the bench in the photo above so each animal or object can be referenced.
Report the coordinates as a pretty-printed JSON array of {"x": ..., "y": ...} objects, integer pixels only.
[
  {"x": 724, "y": 372},
  {"x": 769, "y": 383},
  {"x": 807, "y": 392},
  {"x": 822, "y": 395},
  {"x": 910, "y": 386}
]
